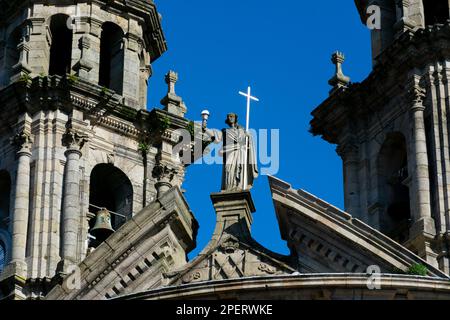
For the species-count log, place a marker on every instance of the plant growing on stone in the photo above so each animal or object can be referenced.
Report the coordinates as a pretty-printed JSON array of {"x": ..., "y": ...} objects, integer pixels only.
[
  {"x": 191, "y": 128},
  {"x": 127, "y": 112},
  {"x": 104, "y": 91},
  {"x": 418, "y": 270},
  {"x": 144, "y": 147},
  {"x": 164, "y": 124},
  {"x": 72, "y": 78},
  {"x": 25, "y": 78}
]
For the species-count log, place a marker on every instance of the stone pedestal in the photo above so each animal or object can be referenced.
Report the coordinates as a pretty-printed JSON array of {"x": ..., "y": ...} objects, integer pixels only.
[
  {"x": 234, "y": 213},
  {"x": 13, "y": 281}
]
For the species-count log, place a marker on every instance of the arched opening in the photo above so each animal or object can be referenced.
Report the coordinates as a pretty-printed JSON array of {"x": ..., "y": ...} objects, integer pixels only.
[
  {"x": 111, "y": 57},
  {"x": 110, "y": 188},
  {"x": 12, "y": 54},
  {"x": 5, "y": 191},
  {"x": 435, "y": 11},
  {"x": 61, "y": 45},
  {"x": 2, "y": 256},
  {"x": 393, "y": 188},
  {"x": 5, "y": 194}
]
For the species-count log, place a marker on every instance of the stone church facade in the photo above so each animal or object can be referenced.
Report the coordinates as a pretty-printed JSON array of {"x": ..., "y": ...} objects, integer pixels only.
[{"x": 76, "y": 138}]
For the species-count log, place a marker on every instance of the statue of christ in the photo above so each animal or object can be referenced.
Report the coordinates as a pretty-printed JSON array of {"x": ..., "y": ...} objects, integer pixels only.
[{"x": 239, "y": 158}]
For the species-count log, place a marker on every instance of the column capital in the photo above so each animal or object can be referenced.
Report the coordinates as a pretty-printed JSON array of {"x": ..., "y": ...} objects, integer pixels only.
[
  {"x": 348, "y": 150},
  {"x": 415, "y": 96},
  {"x": 23, "y": 141},
  {"x": 164, "y": 174},
  {"x": 74, "y": 140}
]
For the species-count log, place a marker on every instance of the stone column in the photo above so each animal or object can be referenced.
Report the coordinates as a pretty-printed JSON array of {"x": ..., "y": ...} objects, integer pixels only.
[
  {"x": 423, "y": 229},
  {"x": 93, "y": 54},
  {"x": 22, "y": 68},
  {"x": 22, "y": 198},
  {"x": 164, "y": 175},
  {"x": 84, "y": 66},
  {"x": 39, "y": 51},
  {"x": 131, "y": 72},
  {"x": 74, "y": 142},
  {"x": 349, "y": 154},
  {"x": 420, "y": 175},
  {"x": 145, "y": 73}
]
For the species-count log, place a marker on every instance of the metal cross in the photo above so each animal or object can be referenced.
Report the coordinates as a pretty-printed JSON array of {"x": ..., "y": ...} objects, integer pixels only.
[{"x": 249, "y": 97}]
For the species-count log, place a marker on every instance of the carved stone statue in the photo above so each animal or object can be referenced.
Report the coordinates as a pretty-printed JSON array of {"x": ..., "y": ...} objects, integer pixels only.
[{"x": 239, "y": 158}]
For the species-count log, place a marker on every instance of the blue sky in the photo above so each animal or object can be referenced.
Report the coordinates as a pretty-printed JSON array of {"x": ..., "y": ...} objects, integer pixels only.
[{"x": 283, "y": 49}]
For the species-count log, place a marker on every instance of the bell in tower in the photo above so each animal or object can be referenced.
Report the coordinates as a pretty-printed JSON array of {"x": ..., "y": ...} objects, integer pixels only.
[
  {"x": 75, "y": 131},
  {"x": 102, "y": 228}
]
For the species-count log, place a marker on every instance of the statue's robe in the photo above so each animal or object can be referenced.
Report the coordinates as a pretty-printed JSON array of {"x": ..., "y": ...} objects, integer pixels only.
[{"x": 233, "y": 151}]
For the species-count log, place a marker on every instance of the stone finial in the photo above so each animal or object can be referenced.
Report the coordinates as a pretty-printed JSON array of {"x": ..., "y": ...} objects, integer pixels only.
[
  {"x": 171, "y": 80},
  {"x": 171, "y": 102},
  {"x": 339, "y": 80}
]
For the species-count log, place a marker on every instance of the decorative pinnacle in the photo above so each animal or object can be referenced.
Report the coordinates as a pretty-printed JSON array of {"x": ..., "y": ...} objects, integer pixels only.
[
  {"x": 338, "y": 58},
  {"x": 339, "y": 80},
  {"x": 171, "y": 102},
  {"x": 171, "y": 80}
]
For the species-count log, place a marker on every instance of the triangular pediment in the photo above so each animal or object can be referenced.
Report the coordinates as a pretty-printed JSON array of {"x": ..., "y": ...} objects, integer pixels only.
[
  {"x": 328, "y": 240},
  {"x": 232, "y": 258}
]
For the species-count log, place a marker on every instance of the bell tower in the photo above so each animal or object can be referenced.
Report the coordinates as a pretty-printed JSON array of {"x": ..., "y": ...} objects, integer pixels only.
[
  {"x": 392, "y": 129},
  {"x": 76, "y": 136},
  {"x": 399, "y": 16}
]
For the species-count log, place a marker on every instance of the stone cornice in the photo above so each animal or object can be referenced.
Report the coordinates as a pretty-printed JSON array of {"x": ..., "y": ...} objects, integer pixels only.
[
  {"x": 102, "y": 107},
  {"x": 293, "y": 285}
]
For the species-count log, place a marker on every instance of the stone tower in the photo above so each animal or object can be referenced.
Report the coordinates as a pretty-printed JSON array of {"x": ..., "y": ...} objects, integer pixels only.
[
  {"x": 76, "y": 135},
  {"x": 392, "y": 130}
]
